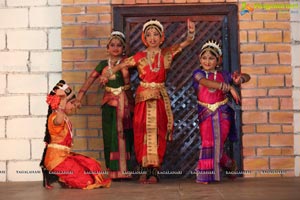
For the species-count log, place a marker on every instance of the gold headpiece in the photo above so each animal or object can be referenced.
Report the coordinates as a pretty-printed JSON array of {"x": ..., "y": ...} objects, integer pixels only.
[
  {"x": 53, "y": 100},
  {"x": 153, "y": 22},
  {"x": 115, "y": 33},
  {"x": 119, "y": 35},
  {"x": 213, "y": 44},
  {"x": 66, "y": 88}
]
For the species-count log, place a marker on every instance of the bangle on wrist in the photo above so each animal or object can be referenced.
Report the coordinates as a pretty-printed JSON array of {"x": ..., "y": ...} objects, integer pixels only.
[
  {"x": 191, "y": 35},
  {"x": 226, "y": 87},
  {"x": 221, "y": 86}
]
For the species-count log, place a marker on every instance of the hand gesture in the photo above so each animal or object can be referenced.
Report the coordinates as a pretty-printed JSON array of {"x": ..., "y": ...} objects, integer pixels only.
[
  {"x": 77, "y": 103},
  {"x": 235, "y": 95},
  {"x": 191, "y": 26},
  {"x": 236, "y": 77}
]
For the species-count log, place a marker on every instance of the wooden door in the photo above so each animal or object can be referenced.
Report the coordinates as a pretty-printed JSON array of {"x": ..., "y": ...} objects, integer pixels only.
[{"x": 218, "y": 22}]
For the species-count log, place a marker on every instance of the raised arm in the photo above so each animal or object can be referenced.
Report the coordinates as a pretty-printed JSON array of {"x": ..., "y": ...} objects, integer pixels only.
[
  {"x": 59, "y": 119},
  {"x": 190, "y": 35}
]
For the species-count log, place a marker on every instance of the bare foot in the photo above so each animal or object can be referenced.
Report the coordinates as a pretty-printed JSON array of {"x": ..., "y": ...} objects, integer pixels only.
[
  {"x": 143, "y": 178},
  {"x": 201, "y": 182},
  {"x": 152, "y": 180}
]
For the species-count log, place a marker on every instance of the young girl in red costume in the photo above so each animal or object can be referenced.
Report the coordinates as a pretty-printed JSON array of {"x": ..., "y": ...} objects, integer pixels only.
[
  {"x": 153, "y": 118},
  {"x": 73, "y": 170},
  {"x": 212, "y": 88}
]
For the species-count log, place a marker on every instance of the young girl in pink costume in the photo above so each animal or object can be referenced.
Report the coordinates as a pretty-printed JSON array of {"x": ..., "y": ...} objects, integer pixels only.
[{"x": 212, "y": 87}]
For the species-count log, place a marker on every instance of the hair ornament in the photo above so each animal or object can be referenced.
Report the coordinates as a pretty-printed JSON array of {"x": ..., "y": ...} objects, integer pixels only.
[
  {"x": 213, "y": 44},
  {"x": 153, "y": 22},
  {"x": 53, "y": 101},
  {"x": 117, "y": 33},
  {"x": 63, "y": 87}
]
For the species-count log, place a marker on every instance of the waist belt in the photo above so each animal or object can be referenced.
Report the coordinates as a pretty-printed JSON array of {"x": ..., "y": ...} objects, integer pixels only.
[
  {"x": 213, "y": 106},
  {"x": 118, "y": 90},
  {"x": 152, "y": 85},
  {"x": 59, "y": 146}
]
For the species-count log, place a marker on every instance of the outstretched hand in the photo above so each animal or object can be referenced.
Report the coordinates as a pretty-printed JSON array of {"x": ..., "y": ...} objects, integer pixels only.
[
  {"x": 191, "y": 26},
  {"x": 77, "y": 103},
  {"x": 236, "y": 77},
  {"x": 190, "y": 34}
]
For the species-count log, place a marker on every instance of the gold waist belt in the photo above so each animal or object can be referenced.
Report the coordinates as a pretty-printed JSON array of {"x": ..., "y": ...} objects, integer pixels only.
[
  {"x": 214, "y": 106},
  {"x": 58, "y": 146},
  {"x": 118, "y": 90},
  {"x": 152, "y": 85}
]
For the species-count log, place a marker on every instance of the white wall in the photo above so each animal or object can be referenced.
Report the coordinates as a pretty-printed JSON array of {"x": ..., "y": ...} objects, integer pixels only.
[
  {"x": 30, "y": 64},
  {"x": 295, "y": 37}
]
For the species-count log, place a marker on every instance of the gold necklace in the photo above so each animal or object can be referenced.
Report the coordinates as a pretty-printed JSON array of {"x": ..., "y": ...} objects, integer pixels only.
[
  {"x": 156, "y": 69},
  {"x": 113, "y": 77},
  {"x": 109, "y": 62}
]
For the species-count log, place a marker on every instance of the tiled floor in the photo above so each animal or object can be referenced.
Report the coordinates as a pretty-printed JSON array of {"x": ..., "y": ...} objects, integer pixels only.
[{"x": 173, "y": 189}]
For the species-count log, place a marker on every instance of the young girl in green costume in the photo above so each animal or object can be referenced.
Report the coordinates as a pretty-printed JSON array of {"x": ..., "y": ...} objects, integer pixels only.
[{"x": 116, "y": 120}]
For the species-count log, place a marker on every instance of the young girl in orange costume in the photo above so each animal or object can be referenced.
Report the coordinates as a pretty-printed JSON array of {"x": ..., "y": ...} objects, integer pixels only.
[{"x": 73, "y": 170}]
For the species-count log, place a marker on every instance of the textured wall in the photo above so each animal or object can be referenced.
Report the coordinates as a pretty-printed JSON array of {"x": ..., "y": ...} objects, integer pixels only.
[{"x": 42, "y": 40}]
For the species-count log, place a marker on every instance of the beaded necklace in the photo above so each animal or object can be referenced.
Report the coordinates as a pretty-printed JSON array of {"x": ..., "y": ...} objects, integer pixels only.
[
  {"x": 207, "y": 73},
  {"x": 215, "y": 77}
]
